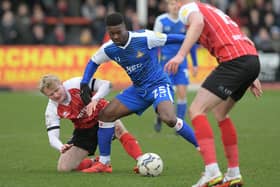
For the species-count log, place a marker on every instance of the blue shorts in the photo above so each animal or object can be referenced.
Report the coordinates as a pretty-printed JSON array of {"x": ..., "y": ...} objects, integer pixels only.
[
  {"x": 139, "y": 100},
  {"x": 180, "y": 78}
]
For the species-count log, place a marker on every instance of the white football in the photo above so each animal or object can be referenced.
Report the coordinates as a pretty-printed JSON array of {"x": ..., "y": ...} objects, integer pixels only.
[{"x": 150, "y": 164}]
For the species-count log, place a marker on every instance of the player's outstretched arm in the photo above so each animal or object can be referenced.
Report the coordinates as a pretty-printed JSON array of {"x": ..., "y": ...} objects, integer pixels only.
[
  {"x": 84, "y": 87},
  {"x": 54, "y": 140},
  {"x": 196, "y": 25}
]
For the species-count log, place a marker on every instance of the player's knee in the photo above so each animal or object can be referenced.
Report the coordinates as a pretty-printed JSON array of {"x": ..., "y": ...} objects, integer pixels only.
[
  {"x": 63, "y": 168},
  {"x": 194, "y": 111},
  {"x": 106, "y": 116},
  {"x": 169, "y": 119}
]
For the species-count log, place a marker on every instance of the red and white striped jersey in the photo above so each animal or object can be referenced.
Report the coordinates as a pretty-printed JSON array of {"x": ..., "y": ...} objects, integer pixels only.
[
  {"x": 221, "y": 35},
  {"x": 73, "y": 109}
]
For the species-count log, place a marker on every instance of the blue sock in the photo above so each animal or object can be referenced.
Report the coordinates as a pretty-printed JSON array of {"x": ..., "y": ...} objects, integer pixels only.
[
  {"x": 186, "y": 132},
  {"x": 181, "y": 109},
  {"x": 105, "y": 136}
]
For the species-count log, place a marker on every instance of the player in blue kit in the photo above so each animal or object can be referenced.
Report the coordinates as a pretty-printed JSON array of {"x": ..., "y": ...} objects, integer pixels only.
[
  {"x": 136, "y": 53},
  {"x": 169, "y": 23}
]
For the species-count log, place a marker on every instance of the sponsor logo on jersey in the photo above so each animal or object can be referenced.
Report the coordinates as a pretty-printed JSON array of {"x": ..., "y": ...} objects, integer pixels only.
[
  {"x": 139, "y": 54},
  {"x": 131, "y": 69}
]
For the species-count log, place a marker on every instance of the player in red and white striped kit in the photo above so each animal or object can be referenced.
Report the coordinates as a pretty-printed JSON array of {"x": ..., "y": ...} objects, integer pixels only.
[
  {"x": 65, "y": 102},
  {"x": 238, "y": 68}
]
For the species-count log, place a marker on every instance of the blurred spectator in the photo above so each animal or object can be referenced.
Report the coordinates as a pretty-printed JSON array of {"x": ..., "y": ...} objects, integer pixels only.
[
  {"x": 23, "y": 23},
  {"x": 59, "y": 35},
  {"x": 6, "y": 6},
  {"x": 38, "y": 15},
  {"x": 8, "y": 30},
  {"x": 263, "y": 41},
  {"x": 49, "y": 6},
  {"x": 86, "y": 37},
  {"x": 153, "y": 12},
  {"x": 98, "y": 25},
  {"x": 233, "y": 12},
  {"x": 62, "y": 8},
  {"x": 88, "y": 9},
  {"x": 269, "y": 21},
  {"x": 275, "y": 35},
  {"x": 254, "y": 22},
  {"x": 260, "y": 6},
  {"x": 39, "y": 35},
  {"x": 131, "y": 19}
]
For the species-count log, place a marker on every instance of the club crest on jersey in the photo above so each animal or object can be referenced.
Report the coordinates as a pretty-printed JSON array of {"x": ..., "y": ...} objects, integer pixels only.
[
  {"x": 184, "y": 12},
  {"x": 159, "y": 35},
  {"x": 139, "y": 54}
]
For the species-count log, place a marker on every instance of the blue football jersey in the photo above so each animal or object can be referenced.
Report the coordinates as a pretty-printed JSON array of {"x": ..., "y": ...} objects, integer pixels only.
[
  {"x": 138, "y": 57},
  {"x": 165, "y": 24}
]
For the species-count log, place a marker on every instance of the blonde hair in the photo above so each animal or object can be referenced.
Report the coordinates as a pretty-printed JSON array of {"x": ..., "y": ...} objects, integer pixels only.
[{"x": 48, "y": 81}]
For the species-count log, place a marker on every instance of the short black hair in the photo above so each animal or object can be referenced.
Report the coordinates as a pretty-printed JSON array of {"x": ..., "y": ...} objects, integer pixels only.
[{"x": 114, "y": 19}]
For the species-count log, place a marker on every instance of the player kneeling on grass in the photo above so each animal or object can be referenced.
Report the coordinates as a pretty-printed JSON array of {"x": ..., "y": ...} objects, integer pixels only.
[{"x": 65, "y": 102}]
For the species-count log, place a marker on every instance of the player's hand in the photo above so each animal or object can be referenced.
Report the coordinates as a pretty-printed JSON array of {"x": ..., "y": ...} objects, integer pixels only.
[
  {"x": 256, "y": 88},
  {"x": 172, "y": 65},
  {"x": 194, "y": 71},
  {"x": 65, "y": 148},
  {"x": 91, "y": 107},
  {"x": 85, "y": 93}
]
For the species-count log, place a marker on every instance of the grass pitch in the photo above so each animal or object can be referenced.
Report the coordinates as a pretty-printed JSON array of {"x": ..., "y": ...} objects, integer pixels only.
[{"x": 27, "y": 160}]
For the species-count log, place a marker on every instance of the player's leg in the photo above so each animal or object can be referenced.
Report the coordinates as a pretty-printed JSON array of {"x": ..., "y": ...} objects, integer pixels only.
[
  {"x": 163, "y": 103},
  {"x": 128, "y": 141},
  {"x": 113, "y": 111},
  {"x": 84, "y": 143},
  {"x": 158, "y": 123},
  {"x": 70, "y": 160},
  {"x": 202, "y": 103},
  {"x": 229, "y": 140},
  {"x": 105, "y": 135},
  {"x": 181, "y": 91}
]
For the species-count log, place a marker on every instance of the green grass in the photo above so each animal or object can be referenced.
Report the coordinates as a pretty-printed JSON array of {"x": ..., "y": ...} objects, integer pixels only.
[{"x": 27, "y": 160}]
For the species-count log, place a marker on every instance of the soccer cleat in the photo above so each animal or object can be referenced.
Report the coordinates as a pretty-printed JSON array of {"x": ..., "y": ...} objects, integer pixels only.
[
  {"x": 98, "y": 167},
  {"x": 86, "y": 163},
  {"x": 232, "y": 181},
  {"x": 206, "y": 181},
  {"x": 136, "y": 170}
]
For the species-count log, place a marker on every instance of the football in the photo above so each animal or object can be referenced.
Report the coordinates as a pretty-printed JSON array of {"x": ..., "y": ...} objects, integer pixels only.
[{"x": 150, "y": 164}]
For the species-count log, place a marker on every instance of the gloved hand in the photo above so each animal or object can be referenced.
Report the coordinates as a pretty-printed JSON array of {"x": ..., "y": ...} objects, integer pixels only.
[{"x": 85, "y": 93}]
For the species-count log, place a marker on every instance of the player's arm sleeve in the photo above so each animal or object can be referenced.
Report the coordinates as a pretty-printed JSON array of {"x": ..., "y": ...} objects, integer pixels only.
[
  {"x": 98, "y": 58},
  {"x": 102, "y": 88},
  {"x": 54, "y": 140},
  {"x": 158, "y": 25},
  {"x": 186, "y": 10},
  {"x": 53, "y": 126},
  {"x": 158, "y": 39},
  {"x": 194, "y": 55},
  {"x": 89, "y": 71}
]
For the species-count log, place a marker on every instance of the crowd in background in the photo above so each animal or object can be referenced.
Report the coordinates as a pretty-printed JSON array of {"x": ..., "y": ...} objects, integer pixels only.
[{"x": 71, "y": 22}]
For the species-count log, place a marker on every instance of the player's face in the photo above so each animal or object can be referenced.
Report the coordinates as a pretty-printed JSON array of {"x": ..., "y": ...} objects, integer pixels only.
[
  {"x": 118, "y": 34},
  {"x": 173, "y": 7},
  {"x": 56, "y": 93}
]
